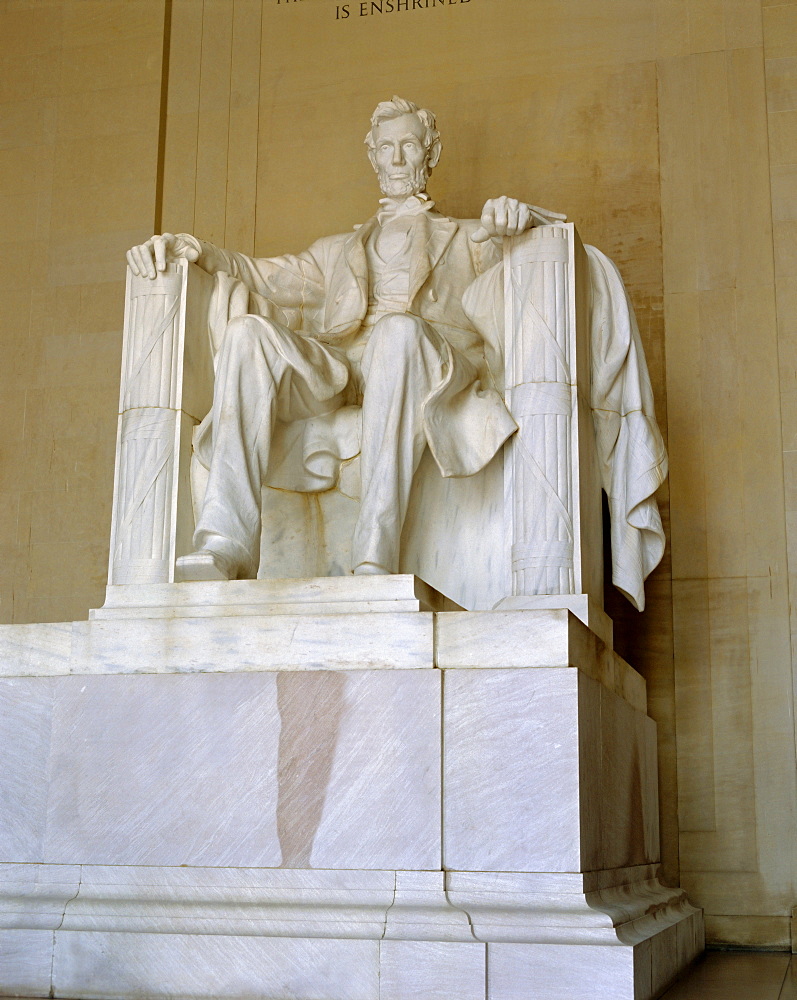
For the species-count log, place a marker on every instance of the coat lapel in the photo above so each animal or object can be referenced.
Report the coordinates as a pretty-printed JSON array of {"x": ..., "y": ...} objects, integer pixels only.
[
  {"x": 347, "y": 292},
  {"x": 354, "y": 253}
]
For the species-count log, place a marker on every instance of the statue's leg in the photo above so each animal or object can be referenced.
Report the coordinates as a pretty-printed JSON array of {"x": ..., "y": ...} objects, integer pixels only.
[
  {"x": 264, "y": 372},
  {"x": 402, "y": 364}
]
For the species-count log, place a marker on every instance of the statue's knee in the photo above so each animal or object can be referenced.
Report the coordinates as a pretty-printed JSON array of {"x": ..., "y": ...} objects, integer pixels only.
[{"x": 248, "y": 334}]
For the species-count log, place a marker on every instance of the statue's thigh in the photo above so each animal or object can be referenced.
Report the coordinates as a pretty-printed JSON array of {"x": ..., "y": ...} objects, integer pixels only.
[
  {"x": 398, "y": 341},
  {"x": 310, "y": 378}
]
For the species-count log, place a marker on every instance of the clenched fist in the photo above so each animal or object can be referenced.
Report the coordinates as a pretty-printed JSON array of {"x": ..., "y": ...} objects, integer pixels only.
[{"x": 510, "y": 217}]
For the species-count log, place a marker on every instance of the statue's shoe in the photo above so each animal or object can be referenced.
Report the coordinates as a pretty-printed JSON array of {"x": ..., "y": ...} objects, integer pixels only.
[
  {"x": 370, "y": 569},
  {"x": 205, "y": 564}
]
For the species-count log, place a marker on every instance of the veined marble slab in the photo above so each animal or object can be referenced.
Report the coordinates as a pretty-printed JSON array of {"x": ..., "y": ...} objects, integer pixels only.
[
  {"x": 26, "y": 712},
  {"x": 516, "y": 741},
  {"x": 464, "y": 907},
  {"x": 326, "y": 595},
  {"x": 35, "y": 649},
  {"x": 26, "y": 958},
  {"x": 323, "y": 769},
  {"x": 363, "y": 641},
  {"x": 88, "y": 965},
  {"x": 536, "y": 908},
  {"x": 432, "y": 970},
  {"x": 197, "y": 900},
  {"x": 553, "y": 637},
  {"x": 35, "y": 896},
  {"x": 275, "y": 642},
  {"x": 594, "y": 617}
]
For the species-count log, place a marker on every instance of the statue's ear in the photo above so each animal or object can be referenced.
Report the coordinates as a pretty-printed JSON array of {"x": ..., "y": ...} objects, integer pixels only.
[
  {"x": 433, "y": 156},
  {"x": 372, "y": 158}
]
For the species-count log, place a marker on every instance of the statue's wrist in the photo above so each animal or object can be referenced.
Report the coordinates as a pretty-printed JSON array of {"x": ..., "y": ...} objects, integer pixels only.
[{"x": 187, "y": 241}]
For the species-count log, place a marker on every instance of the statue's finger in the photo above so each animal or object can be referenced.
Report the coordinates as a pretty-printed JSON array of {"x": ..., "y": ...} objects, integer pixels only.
[
  {"x": 514, "y": 224},
  {"x": 146, "y": 254},
  {"x": 145, "y": 266},
  {"x": 159, "y": 246},
  {"x": 141, "y": 269},
  {"x": 131, "y": 262},
  {"x": 149, "y": 259},
  {"x": 480, "y": 235}
]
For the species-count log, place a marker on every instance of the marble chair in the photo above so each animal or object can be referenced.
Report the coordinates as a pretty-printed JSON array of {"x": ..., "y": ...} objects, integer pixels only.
[{"x": 525, "y": 532}]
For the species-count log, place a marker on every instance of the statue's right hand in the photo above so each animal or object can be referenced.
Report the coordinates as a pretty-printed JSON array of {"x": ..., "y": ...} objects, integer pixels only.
[{"x": 151, "y": 257}]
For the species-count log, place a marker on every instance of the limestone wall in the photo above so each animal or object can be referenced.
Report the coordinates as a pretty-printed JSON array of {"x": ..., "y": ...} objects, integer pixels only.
[
  {"x": 665, "y": 129},
  {"x": 79, "y": 125}
]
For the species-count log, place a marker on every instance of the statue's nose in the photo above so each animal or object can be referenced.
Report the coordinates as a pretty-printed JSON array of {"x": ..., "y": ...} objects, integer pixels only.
[{"x": 398, "y": 155}]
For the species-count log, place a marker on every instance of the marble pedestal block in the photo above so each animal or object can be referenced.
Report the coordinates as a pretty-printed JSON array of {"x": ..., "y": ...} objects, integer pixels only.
[{"x": 328, "y": 790}]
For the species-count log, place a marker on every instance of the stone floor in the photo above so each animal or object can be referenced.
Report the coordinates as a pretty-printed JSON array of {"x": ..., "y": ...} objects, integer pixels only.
[{"x": 739, "y": 976}]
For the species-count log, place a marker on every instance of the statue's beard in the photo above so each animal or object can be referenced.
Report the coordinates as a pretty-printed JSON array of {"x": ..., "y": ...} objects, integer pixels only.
[{"x": 403, "y": 187}]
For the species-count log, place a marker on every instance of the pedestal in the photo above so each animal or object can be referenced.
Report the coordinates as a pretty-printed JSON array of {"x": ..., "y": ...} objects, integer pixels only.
[{"x": 327, "y": 790}]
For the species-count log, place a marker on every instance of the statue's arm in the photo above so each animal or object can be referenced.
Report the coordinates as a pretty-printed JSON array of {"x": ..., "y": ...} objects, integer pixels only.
[{"x": 289, "y": 280}]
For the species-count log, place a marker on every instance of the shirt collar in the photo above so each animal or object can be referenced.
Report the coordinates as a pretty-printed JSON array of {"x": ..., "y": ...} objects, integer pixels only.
[{"x": 393, "y": 208}]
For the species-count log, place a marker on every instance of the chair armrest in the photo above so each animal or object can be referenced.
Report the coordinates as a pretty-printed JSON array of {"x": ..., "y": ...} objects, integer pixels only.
[
  {"x": 166, "y": 389},
  {"x": 552, "y": 488}
]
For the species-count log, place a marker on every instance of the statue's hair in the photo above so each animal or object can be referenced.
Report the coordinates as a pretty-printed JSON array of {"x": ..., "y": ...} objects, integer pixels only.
[{"x": 388, "y": 110}]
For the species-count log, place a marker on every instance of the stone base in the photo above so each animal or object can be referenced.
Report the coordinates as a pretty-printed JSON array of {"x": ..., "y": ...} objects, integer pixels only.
[
  {"x": 594, "y": 618},
  {"x": 382, "y": 935},
  {"x": 324, "y": 805}
]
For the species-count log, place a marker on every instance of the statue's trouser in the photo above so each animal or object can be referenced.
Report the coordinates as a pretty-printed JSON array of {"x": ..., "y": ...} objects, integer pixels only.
[{"x": 265, "y": 373}]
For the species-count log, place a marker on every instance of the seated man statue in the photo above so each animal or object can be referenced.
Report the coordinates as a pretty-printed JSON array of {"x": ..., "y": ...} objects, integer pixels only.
[{"x": 374, "y": 318}]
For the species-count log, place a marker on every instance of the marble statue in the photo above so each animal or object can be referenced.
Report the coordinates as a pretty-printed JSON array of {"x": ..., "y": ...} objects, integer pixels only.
[
  {"x": 386, "y": 341},
  {"x": 376, "y": 319}
]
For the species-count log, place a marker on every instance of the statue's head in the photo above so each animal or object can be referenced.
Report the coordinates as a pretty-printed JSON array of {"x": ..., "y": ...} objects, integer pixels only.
[{"x": 403, "y": 147}]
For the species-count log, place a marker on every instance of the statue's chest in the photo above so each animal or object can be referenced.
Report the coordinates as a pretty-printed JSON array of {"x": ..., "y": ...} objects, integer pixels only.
[{"x": 391, "y": 245}]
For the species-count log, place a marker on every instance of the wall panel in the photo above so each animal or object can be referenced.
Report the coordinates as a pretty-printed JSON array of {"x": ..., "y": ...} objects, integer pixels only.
[{"x": 79, "y": 102}]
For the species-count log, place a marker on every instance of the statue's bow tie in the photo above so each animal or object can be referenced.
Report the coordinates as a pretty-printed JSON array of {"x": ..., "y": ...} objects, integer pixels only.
[{"x": 394, "y": 208}]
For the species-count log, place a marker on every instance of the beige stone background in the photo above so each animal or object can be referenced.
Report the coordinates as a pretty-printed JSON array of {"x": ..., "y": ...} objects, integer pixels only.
[{"x": 667, "y": 129}]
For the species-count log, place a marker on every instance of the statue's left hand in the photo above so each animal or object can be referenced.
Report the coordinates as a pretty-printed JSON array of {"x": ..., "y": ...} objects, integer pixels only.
[{"x": 510, "y": 217}]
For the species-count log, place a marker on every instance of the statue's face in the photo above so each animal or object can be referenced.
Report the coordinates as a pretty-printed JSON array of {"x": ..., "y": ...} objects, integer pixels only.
[{"x": 400, "y": 157}]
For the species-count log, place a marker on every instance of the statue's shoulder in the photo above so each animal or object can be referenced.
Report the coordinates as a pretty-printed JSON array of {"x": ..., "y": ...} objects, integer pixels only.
[
  {"x": 327, "y": 248},
  {"x": 328, "y": 242}
]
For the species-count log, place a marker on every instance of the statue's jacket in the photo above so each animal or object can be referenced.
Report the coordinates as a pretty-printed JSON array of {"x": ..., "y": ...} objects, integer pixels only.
[
  {"x": 323, "y": 293},
  {"x": 456, "y": 286}
]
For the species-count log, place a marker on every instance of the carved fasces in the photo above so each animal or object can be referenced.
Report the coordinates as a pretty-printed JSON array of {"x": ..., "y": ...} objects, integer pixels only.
[
  {"x": 541, "y": 463},
  {"x": 154, "y": 423}
]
